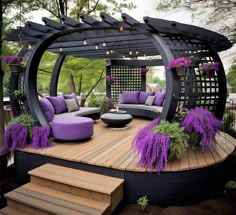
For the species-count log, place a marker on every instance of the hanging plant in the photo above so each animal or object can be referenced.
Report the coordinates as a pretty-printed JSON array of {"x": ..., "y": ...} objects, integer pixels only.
[
  {"x": 208, "y": 69},
  {"x": 144, "y": 70},
  {"x": 180, "y": 66},
  {"x": 110, "y": 79}
]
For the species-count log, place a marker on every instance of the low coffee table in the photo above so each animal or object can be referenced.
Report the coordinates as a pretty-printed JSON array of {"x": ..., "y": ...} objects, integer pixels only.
[{"x": 115, "y": 119}]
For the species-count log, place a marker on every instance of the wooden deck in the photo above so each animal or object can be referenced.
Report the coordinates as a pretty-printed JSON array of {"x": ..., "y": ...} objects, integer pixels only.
[{"x": 112, "y": 148}]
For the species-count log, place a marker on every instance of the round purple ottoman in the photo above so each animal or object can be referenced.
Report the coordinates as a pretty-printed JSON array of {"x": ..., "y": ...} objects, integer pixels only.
[{"x": 72, "y": 128}]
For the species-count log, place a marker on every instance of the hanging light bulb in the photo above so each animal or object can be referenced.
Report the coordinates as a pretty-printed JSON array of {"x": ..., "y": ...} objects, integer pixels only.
[
  {"x": 130, "y": 52},
  {"x": 121, "y": 28},
  {"x": 107, "y": 52},
  {"x": 104, "y": 43},
  {"x": 60, "y": 49},
  {"x": 111, "y": 51},
  {"x": 96, "y": 46},
  {"x": 136, "y": 52},
  {"x": 29, "y": 47},
  {"x": 85, "y": 42}
]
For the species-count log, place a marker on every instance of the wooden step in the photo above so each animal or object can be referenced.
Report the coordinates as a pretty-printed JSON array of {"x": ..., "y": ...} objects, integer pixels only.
[
  {"x": 80, "y": 183},
  {"x": 31, "y": 201},
  {"x": 12, "y": 211}
]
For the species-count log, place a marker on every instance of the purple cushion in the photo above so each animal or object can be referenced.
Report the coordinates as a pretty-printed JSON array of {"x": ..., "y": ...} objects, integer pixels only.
[
  {"x": 143, "y": 96},
  {"x": 58, "y": 104},
  {"x": 70, "y": 96},
  {"x": 129, "y": 97},
  {"x": 160, "y": 96},
  {"x": 47, "y": 109}
]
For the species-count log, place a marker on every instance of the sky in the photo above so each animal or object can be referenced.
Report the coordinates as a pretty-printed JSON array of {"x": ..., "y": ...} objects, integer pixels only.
[{"x": 147, "y": 8}]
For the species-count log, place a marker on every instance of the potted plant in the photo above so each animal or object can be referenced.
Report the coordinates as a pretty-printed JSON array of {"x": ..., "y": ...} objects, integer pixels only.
[
  {"x": 208, "y": 69},
  {"x": 110, "y": 79},
  {"x": 158, "y": 140},
  {"x": 202, "y": 125},
  {"x": 143, "y": 204},
  {"x": 180, "y": 65},
  {"x": 14, "y": 63},
  {"x": 22, "y": 131}
]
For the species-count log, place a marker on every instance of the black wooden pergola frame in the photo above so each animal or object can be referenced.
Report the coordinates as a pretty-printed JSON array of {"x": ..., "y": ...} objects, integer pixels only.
[{"x": 154, "y": 37}]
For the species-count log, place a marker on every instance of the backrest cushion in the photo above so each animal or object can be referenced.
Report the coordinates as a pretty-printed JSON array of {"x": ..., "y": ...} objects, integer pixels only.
[
  {"x": 58, "y": 104},
  {"x": 71, "y": 105},
  {"x": 160, "y": 96},
  {"x": 150, "y": 100},
  {"x": 143, "y": 97},
  {"x": 129, "y": 97},
  {"x": 47, "y": 109},
  {"x": 70, "y": 96}
]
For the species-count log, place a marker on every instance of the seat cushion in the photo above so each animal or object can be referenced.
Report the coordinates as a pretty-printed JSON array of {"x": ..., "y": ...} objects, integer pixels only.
[
  {"x": 143, "y": 96},
  {"x": 71, "y": 105},
  {"x": 70, "y": 96},
  {"x": 47, "y": 108},
  {"x": 58, "y": 104}
]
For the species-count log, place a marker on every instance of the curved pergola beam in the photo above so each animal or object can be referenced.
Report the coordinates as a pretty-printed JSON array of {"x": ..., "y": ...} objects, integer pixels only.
[{"x": 55, "y": 74}]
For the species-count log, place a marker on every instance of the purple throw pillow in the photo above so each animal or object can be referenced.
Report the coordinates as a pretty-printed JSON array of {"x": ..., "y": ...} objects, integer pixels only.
[
  {"x": 58, "y": 104},
  {"x": 129, "y": 97},
  {"x": 70, "y": 96},
  {"x": 47, "y": 108},
  {"x": 160, "y": 96},
  {"x": 143, "y": 96}
]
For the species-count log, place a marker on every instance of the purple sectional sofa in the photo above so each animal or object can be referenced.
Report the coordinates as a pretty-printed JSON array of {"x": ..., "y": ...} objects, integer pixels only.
[
  {"x": 66, "y": 106},
  {"x": 143, "y": 104}
]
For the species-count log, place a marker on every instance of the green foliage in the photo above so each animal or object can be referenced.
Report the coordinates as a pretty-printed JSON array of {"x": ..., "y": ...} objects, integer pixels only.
[
  {"x": 228, "y": 122},
  {"x": 26, "y": 120},
  {"x": 231, "y": 77},
  {"x": 230, "y": 185},
  {"x": 143, "y": 202},
  {"x": 177, "y": 135}
]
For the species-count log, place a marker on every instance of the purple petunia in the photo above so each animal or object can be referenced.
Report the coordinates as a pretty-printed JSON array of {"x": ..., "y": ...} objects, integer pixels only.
[
  {"x": 110, "y": 79},
  {"x": 179, "y": 62},
  {"x": 210, "y": 66},
  {"x": 12, "y": 60},
  {"x": 204, "y": 123}
]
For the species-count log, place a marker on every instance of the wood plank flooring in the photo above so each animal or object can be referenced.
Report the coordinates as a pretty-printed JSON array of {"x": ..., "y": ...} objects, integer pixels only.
[{"x": 112, "y": 148}]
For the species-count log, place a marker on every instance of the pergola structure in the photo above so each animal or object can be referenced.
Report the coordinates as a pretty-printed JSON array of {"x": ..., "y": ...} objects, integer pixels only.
[{"x": 128, "y": 39}]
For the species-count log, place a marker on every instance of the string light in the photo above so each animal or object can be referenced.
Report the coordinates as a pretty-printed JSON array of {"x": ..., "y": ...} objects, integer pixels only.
[
  {"x": 111, "y": 51},
  {"x": 104, "y": 43},
  {"x": 136, "y": 52},
  {"x": 96, "y": 46},
  {"x": 121, "y": 28},
  {"x": 107, "y": 52},
  {"x": 130, "y": 52},
  {"x": 60, "y": 49},
  {"x": 29, "y": 46},
  {"x": 85, "y": 42}
]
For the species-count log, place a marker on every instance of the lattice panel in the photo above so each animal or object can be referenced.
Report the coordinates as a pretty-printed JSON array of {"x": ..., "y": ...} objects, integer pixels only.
[
  {"x": 128, "y": 78},
  {"x": 195, "y": 89}
]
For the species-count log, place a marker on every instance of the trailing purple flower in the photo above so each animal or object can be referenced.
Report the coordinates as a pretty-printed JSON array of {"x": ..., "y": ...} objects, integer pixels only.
[
  {"x": 41, "y": 137},
  {"x": 16, "y": 137},
  {"x": 210, "y": 66},
  {"x": 110, "y": 79},
  {"x": 204, "y": 123}
]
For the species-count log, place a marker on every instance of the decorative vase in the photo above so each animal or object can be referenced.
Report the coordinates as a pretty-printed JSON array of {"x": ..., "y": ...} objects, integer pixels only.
[
  {"x": 208, "y": 73},
  {"x": 181, "y": 71},
  {"x": 16, "y": 68}
]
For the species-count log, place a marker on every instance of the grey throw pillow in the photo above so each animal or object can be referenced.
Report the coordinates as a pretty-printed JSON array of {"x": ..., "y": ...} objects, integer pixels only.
[
  {"x": 71, "y": 105},
  {"x": 150, "y": 100}
]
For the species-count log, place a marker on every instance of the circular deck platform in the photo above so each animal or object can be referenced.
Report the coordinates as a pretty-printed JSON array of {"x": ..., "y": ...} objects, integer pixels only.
[{"x": 196, "y": 176}]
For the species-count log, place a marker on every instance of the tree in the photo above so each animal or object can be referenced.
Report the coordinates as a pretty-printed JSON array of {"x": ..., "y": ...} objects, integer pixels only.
[
  {"x": 220, "y": 14},
  {"x": 231, "y": 77}
]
